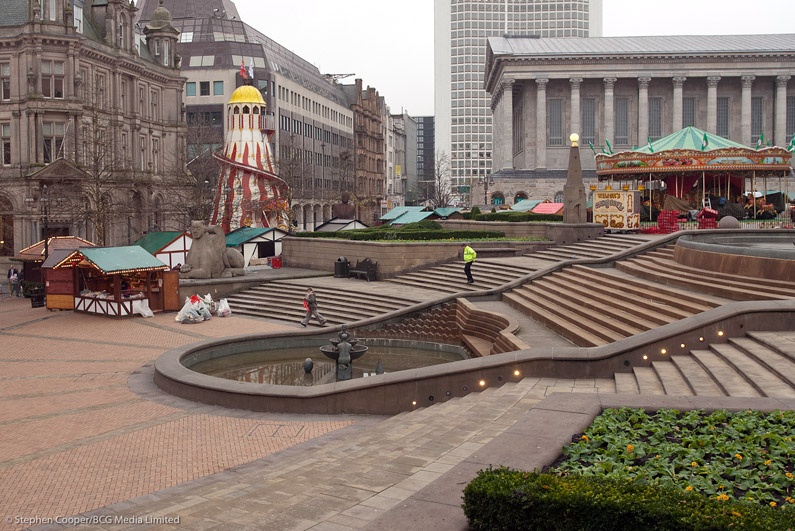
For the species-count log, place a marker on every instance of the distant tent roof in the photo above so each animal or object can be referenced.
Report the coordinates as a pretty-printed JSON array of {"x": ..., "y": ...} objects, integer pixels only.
[
  {"x": 548, "y": 208},
  {"x": 155, "y": 241},
  {"x": 244, "y": 234},
  {"x": 443, "y": 212},
  {"x": 399, "y": 211},
  {"x": 114, "y": 259},
  {"x": 526, "y": 204},
  {"x": 337, "y": 224},
  {"x": 36, "y": 251},
  {"x": 689, "y": 138},
  {"x": 411, "y": 217},
  {"x": 56, "y": 257}
]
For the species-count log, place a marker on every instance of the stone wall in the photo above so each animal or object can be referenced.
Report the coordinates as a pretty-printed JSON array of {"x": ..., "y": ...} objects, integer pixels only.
[{"x": 558, "y": 233}]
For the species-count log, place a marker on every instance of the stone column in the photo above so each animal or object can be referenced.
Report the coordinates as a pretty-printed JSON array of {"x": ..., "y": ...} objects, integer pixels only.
[
  {"x": 712, "y": 104},
  {"x": 610, "y": 118},
  {"x": 541, "y": 123},
  {"x": 575, "y": 106},
  {"x": 505, "y": 140},
  {"x": 780, "y": 134},
  {"x": 643, "y": 109},
  {"x": 678, "y": 118},
  {"x": 745, "y": 115}
]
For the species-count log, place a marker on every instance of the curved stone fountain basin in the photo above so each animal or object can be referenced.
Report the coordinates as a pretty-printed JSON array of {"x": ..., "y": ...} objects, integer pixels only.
[{"x": 752, "y": 253}]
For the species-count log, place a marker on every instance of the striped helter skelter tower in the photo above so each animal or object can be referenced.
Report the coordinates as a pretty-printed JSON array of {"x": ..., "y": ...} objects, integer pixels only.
[{"x": 249, "y": 193}]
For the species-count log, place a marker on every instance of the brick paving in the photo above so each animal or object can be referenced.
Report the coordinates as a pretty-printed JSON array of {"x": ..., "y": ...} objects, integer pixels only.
[{"x": 74, "y": 437}]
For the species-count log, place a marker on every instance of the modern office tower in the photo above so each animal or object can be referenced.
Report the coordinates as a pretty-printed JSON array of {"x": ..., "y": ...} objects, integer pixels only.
[
  {"x": 307, "y": 112},
  {"x": 425, "y": 156},
  {"x": 461, "y": 106},
  {"x": 90, "y": 122}
]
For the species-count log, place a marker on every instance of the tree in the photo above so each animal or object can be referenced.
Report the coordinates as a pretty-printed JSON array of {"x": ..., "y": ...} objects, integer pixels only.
[
  {"x": 192, "y": 187},
  {"x": 437, "y": 192}
]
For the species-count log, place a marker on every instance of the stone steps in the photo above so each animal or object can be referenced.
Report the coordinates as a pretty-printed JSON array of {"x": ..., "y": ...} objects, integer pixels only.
[
  {"x": 742, "y": 367},
  {"x": 597, "y": 248},
  {"x": 736, "y": 287}
]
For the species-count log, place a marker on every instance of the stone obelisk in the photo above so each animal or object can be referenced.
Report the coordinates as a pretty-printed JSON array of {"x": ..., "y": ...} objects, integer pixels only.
[{"x": 574, "y": 208}]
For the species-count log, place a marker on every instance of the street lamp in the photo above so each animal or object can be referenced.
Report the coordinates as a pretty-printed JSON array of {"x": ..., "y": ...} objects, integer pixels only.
[
  {"x": 485, "y": 181},
  {"x": 44, "y": 204}
]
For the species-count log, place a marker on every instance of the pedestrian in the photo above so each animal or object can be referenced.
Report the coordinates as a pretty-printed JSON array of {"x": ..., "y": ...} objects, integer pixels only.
[
  {"x": 14, "y": 279},
  {"x": 469, "y": 257},
  {"x": 12, "y": 271},
  {"x": 310, "y": 303}
]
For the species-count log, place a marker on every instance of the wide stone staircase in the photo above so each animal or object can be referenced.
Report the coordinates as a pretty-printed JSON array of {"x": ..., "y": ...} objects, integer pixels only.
[
  {"x": 450, "y": 277},
  {"x": 284, "y": 301},
  {"x": 659, "y": 266},
  {"x": 752, "y": 366},
  {"x": 601, "y": 247},
  {"x": 591, "y": 306}
]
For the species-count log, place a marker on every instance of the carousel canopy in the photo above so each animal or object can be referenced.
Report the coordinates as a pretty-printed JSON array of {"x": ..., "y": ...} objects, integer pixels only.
[
  {"x": 689, "y": 138},
  {"x": 693, "y": 151}
]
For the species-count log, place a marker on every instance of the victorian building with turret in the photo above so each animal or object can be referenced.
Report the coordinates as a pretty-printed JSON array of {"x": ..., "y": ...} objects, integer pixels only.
[{"x": 91, "y": 122}]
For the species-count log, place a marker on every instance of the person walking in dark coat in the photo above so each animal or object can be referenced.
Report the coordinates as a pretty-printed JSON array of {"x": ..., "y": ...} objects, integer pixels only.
[
  {"x": 469, "y": 257},
  {"x": 310, "y": 303},
  {"x": 11, "y": 272}
]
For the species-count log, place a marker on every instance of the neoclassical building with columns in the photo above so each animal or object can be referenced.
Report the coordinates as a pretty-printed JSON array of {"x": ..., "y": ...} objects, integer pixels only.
[{"x": 622, "y": 92}]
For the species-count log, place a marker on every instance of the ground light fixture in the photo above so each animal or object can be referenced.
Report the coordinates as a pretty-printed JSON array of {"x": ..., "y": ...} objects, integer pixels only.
[
  {"x": 482, "y": 383},
  {"x": 663, "y": 351},
  {"x": 516, "y": 372},
  {"x": 645, "y": 357},
  {"x": 720, "y": 333}
]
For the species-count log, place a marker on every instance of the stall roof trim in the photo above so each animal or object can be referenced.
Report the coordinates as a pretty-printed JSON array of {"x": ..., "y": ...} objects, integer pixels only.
[
  {"x": 547, "y": 208},
  {"x": 155, "y": 241},
  {"x": 116, "y": 259},
  {"x": 446, "y": 211},
  {"x": 36, "y": 251}
]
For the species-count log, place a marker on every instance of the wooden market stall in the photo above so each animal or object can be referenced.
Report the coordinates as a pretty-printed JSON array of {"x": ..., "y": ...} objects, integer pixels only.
[
  {"x": 699, "y": 169},
  {"x": 256, "y": 243},
  {"x": 171, "y": 247},
  {"x": 111, "y": 281},
  {"x": 33, "y": 256}
]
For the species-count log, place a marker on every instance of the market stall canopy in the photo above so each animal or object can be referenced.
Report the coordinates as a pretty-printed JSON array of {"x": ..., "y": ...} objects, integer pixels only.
[
  {"x": 548, "y": 208},
  {"x": 111, "y": 260},
  {"x": 245, "y": 234},
  {"x": 337, "y": 224},
  {"x": 154, "y": 242},
  {"x": 526, "y": 204},
  {"x": 411, "y": 216},
  {"x": 692, "y": 150},
  {"x": 399, "y": 211},
  {"x": 36, "y": 251}
]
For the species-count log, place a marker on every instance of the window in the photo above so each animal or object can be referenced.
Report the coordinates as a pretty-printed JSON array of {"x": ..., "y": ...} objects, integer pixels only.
[
  {"x": 190, "y": 88},
  {"x": 5, "y": 81},
  {"x": 141, "y": 100},
  {"x": 153, "y": 100},
  {"x": 155, "y": 154},
  {"x": 99, "y": 84},
  {"x": 165, "y": 53},
  {"x": 5, "y": 140},
  {"x": 187, "y": 36},
  {"x": 688, "y": 112},
  {"x": 622, "y": 121},
  {"x": 655, "y": 118},
  {"x": 790, "y": 118},
  {"x": 218, "y": 88},
  {"x": 123, "y": 96},
  {"x": 78, "y": 18},
  {"x": 124, "y": 153},
  {"x": 51, "y": 9},
  {"x": 142, "y": 144},
  {"x": 121, "y": 33},
  {"x": 52, "y": 134},
  {"x": 204, "y": 88},
  {"x": 723, "y": 117},
  {"x": 555, "y": 120},
  {"x": 756, "y": 119},
  {"x": 588, "y": 116},
  {"x": 52, "y": 79}
]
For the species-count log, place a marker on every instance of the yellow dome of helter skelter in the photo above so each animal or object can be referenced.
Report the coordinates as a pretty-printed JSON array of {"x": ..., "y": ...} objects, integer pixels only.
[{"x": 246, "y": 94}]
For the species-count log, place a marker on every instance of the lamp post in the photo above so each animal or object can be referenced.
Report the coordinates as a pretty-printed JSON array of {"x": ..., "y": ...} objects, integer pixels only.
[
  {"x": 45, "y": 206},
  {"x": 485, "y": 181}
]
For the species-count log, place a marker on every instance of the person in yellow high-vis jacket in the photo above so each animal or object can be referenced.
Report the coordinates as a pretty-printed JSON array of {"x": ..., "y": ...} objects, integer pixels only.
[{"x": 469, "y": 257}]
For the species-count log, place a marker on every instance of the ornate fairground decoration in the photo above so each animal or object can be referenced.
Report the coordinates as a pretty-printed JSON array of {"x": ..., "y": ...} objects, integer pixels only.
[{"x": 249, "y": 193}]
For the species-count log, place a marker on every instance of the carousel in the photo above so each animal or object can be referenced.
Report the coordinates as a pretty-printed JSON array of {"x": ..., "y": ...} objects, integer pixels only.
[{"x": 692, "y": 170}]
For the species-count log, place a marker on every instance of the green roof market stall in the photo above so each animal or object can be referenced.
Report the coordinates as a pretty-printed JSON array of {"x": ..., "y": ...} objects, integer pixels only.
[{"x": 115, "y": 280}]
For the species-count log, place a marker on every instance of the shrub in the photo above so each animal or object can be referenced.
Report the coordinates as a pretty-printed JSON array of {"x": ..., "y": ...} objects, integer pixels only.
[
  {"x": 518, "y": 217},
  {"x": 405, "y": 235},
  {"x": 506, "y": 499}
]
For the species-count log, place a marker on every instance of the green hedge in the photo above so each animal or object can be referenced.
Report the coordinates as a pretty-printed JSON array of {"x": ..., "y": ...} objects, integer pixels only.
[
  {"x": 394, "y": 234},
  {"x": 506, "y": 499},
  {"x": 517, "y": 217}
]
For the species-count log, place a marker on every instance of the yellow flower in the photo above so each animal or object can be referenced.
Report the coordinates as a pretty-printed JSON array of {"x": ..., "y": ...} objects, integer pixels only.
[
  {"x": 657, "y": 456},
  {"x": 585, "y": 438},
  {"x": 722, "y": 497},
  {"x": 767, "y": 462},
  {"x": 772, "y": 504},
  {"x": 694, "y": 463},
  {"x": 735, "y": 513},
  {"x": 688, "y": 488},
  {"x": 630, "y": 448},
  {"x": 789, "y": 475},
  {"x": 738, "y": 456},
  {"x": 722, "y": 487}
]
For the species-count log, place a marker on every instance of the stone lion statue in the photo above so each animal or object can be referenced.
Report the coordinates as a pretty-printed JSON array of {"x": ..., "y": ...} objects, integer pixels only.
[{"x": 209, "y": 257}]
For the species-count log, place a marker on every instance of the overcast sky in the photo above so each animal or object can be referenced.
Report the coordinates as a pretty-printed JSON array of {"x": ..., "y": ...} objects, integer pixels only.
[{"x": 389, "y": 43}]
